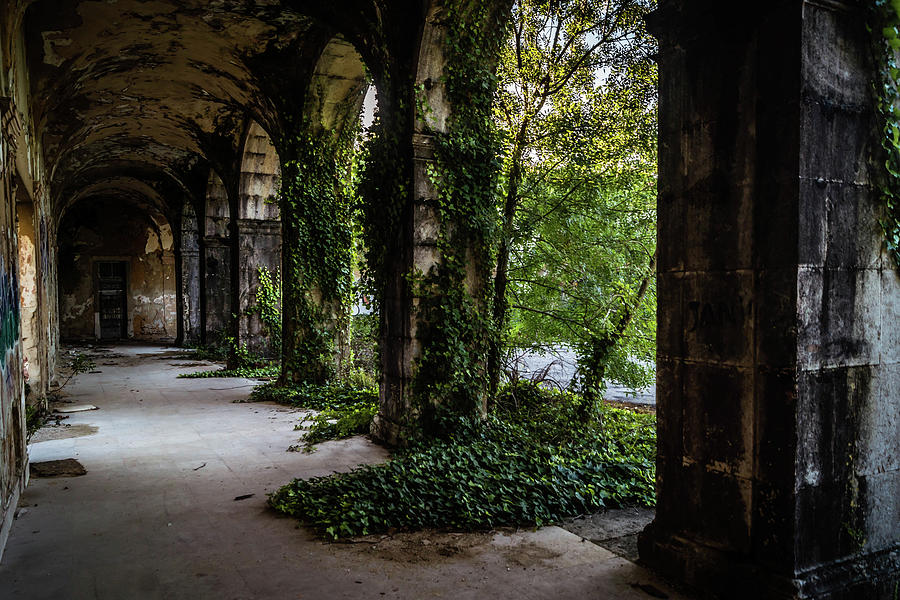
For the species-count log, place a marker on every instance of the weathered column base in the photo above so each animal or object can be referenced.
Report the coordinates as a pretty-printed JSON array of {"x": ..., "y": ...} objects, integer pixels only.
[
  {"x": 874, "y": 576},
  {"x": 386, "y": 431}
]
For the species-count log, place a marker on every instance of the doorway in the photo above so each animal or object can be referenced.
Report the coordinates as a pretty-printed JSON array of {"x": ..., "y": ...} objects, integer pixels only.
[{"x": 111, "y": 286}]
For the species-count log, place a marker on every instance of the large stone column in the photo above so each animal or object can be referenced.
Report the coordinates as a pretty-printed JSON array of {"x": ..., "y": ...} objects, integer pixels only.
[
  {"x": 188, "y": 276},
  {"x": 401, "y": 321},
  {"x": 779, "y": 336},
  {"x": 435, "y": 323},
  {"x": 259, "y": 245},
  {"x": 216, "y": 257}
]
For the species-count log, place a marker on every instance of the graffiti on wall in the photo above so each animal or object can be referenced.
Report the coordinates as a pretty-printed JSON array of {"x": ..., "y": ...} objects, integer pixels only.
[
  {"x": 9, "y": 335},
  {"x": 9, "y": 312}
]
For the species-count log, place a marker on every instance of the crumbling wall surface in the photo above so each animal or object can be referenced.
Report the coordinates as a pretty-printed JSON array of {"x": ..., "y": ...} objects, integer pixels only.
[
  {"x": 12, "y": 408},
  {"x": 108, "y": 230},
  {"x": 259, "y": 233},
  {"x": 216, "y": 262},
  {"x": 26, "y": 281},
  {"x": 28, "y": 294},
  {"x": 848, "y": 335}
]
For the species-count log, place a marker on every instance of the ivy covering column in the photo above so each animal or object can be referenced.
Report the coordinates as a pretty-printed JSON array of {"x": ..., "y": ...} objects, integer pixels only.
[
  {"x": 317, "y": 250},
  {"x": 435, "y": 306}
]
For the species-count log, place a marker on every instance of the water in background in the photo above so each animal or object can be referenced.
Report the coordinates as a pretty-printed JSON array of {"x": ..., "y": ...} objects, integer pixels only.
[{"x": 558, "y": 365}]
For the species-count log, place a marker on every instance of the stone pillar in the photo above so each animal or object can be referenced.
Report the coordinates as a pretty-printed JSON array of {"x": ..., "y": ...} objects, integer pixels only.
[
  {"x": 401, "y": 345},
  {"x": 188, "y": 271},
  {"x": 316, "y": 233},
  {"x": 259, "y": 245},
  {"x": 778, "y": 335},
  {"x": 435, "y": 309},
  {"x": 216, "y": 257}
]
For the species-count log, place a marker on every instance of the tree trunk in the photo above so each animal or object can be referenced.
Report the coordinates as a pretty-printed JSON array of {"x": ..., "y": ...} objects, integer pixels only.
[
  {"x": 501, "y": 279},
  {"x": 601, "y": 347}
]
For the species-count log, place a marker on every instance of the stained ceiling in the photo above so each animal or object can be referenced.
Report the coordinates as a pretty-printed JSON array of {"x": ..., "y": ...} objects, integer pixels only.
[{"x": 130, "y": 93}]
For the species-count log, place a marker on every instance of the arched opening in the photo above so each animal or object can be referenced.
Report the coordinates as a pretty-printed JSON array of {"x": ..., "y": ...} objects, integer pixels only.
[
  {"x": 316, "y": 153},
  {"x": 778, "y": 328},
  {"x": 216, "y": 262},
  {"x": 259, "y": 237},
  {"x": 116, "y": 272}
]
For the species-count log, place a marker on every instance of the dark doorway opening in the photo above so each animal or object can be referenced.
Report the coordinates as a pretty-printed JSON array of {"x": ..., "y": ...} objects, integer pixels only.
[{"x": 111, "y": 286}]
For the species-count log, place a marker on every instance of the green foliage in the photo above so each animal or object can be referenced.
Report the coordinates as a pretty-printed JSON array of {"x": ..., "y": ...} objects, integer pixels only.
[
  {"x": 383, "y": 191},
  {"x": 456, "y": 330},
  {"x": 334, "y": 395},
  {"x": 364, "y": 344},
  {"x": 210, "y": 352},
  {"x": 226, "y": 348},
  {"x": 37, "y": 413},
  {"x": 268, "y": 304},
  {"x": 269, "y": 371},
  {"x": 318, "y": 246},
  {"x": 35, "y": 416},
  {"x": 345, "y": 408},
  {"x": 576, "y": 113},
  {"x": 78, "y": 364},
  {"x": 885, "y": 25},
  {"x": 516, "y": 470},
  {"x": 339, "y": 423}
]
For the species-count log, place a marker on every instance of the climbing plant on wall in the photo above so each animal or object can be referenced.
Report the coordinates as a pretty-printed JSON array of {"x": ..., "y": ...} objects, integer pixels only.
[
  {"x": 268, "y": 303},
  {"x": 318, "y": 247},
  {"x": 452, "y": 371},
  {"x": 453, "y": 324},
  {"x": 885, "y": 28}
]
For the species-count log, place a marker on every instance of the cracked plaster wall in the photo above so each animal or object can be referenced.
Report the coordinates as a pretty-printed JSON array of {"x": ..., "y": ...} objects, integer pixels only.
[
  {"x": 90, "y": 235},
  {"x": 27, "y": 270}
]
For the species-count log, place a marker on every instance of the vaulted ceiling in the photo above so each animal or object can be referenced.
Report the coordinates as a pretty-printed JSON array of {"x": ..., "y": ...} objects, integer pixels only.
[{"x": 136, "y": 93}]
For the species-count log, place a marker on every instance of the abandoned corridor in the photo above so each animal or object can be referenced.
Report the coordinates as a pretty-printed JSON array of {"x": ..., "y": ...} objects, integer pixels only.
[{"x": 156, "y": 514}]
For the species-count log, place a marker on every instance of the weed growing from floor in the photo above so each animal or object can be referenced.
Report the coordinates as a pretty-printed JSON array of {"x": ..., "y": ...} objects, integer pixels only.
[
  {"x": 37, "y": 413},
  {"x": 345, "y": 408},
  {"x": 266, "y": 372},
  {"x": 530, "y": 463}
]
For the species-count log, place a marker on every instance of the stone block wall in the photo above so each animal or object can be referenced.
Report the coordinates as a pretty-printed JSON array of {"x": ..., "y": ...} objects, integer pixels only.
[{"x": 777, "y": 396}]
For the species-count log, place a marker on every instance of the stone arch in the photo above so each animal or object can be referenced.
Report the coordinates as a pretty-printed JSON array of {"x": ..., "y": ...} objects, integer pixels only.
[
  {"x": 331, "y": 108},
  {"x": 117, "y": 268},
  {"x": 258, "y": 231},
  {"x": 216, "y": 261}
]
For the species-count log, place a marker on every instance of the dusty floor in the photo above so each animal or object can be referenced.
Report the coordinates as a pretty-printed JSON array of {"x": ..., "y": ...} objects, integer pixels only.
[{"x": 157, "y": 515}]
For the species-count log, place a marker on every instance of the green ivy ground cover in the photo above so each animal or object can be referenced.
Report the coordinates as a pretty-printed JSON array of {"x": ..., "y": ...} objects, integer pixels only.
[
  {"x": 269, "y": 371},
  {"x": 345, "y": 408},
  {"x": 530, "y": 463}
]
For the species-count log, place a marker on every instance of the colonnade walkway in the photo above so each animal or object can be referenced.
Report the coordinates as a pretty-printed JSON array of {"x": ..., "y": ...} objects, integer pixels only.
[{"x": 157, "y": 514}]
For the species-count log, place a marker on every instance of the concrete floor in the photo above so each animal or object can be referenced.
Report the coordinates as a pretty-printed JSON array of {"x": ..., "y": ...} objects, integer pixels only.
[{"x": 156, "y": 516}]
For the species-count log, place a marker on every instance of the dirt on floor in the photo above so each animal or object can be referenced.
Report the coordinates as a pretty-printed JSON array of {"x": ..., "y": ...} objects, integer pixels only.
[
  {"x": 419, "y": 546},
  {"x": 615, "y": 529},
  {"x": 67, "y": 467},
  {"x": 62, "y": 431}
]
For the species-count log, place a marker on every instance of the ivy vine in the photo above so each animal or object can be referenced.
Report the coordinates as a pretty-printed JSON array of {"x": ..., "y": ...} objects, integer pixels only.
[
  {"x": 453, "y": 297},
  {"x": 268, "y": 303},
  {"x": 885, "y": 28},
  {"x": 452, "y": 372},
  {"x": 318, "y": 248}
]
